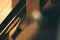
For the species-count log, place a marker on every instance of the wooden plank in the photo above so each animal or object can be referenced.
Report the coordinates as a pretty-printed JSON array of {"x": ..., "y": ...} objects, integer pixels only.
[
  {"x": 3, "y": 4},
  {"x": 12, "y": 25},
  {"x": 6, "y": 8},
  {"x": 29, "y": 32},
  {"x": 31, "y": 5},
  {"x": 15, "y": 28}
]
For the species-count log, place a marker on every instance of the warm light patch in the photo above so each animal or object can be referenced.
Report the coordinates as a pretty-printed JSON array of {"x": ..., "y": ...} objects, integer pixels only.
[
  {"x": 36, "y": 14},
  {"x": 6, "y": 7},
  {"x": 5, "y": 11}
]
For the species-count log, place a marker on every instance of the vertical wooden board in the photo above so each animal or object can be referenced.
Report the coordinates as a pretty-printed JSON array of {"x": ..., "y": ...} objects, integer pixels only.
[{"x": 31, "y": 5}]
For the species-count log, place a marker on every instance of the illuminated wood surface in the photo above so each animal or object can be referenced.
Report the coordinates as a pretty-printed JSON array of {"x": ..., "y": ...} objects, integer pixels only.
[
  {"x": 14, "y": 29},
  {"x": 12, "y": 25},
  {"x": 31, "y": 5},
  {"x": 6, "y": 7},
  {"x": 31, "y": 30}
]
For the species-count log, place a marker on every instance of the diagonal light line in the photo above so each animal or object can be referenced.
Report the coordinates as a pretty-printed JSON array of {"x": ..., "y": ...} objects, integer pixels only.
[{"x": 13, "y": 19}]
